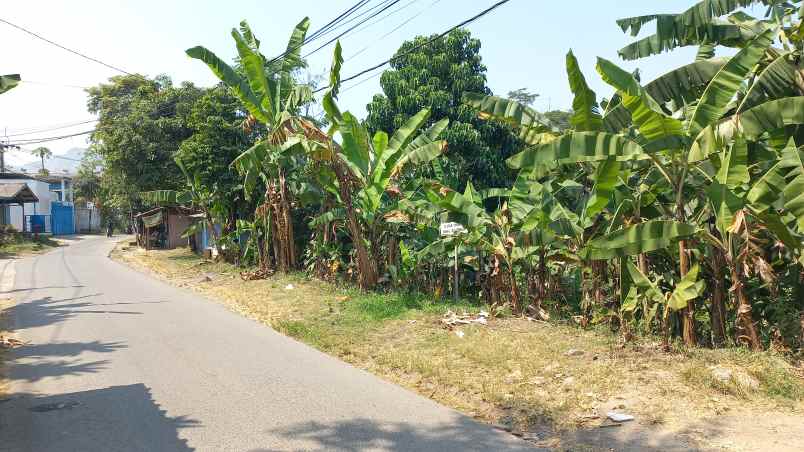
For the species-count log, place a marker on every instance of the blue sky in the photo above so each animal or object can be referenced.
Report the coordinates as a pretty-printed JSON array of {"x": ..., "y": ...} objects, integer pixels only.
[{"x": 523, "y": 45}]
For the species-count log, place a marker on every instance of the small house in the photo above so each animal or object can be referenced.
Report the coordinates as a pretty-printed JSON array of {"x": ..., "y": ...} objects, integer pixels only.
[
  {"x": 15, "y": 194},
  {"x": 163, "y": 227}
]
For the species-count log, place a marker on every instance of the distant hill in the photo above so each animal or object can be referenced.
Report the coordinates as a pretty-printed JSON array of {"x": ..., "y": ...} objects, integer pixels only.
[{"x": 66, "y": 163}]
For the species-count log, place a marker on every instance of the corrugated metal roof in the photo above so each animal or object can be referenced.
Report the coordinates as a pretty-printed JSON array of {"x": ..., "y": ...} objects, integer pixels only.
[{"x": 17, "y": 192}]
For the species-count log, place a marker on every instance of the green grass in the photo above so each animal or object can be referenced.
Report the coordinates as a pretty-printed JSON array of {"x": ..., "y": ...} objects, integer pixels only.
[{"x": 16, "y": 245}]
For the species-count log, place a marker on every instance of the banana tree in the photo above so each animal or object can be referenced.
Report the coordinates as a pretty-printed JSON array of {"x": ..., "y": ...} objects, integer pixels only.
[
  {"x": 271, "y": 98},
  {"x": 366, "y": 169},
  {"x": 702, "y": 25}
]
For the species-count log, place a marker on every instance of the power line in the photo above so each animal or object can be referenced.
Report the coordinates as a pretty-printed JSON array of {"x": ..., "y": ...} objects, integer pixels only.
[
  {"x": 47, "y": 139},
  {"x": 64, "y": 48},
  {"x": 392, "y": 3},
  {"x": 67, "y": 126},
  {"x": 334, "y": 23},
  {"x": 53, "y": 84},
  {"x": 320, "y": 32},
  {"x": 417, "y": 47},
  {"x": 391, "y": 13},
  {"x": 347, "y": 22},
  {"x": 410, "y": 19}
]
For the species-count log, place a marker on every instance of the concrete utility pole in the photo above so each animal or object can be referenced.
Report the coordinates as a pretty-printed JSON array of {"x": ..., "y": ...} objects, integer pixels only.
[{"x": 3, "y": 147}]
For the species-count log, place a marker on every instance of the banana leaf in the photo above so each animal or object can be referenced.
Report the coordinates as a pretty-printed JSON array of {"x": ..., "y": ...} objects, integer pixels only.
[
  {"x": 646, "y": 113},
  {"x": 8, "y": 81},
  {"x": 636, "y": 239},
  {"x": 585, "y": 110},
  {"x": 688, "y": 289},
  {"x": 721, "y": 90},
  {"x": 530, "y": 123}
]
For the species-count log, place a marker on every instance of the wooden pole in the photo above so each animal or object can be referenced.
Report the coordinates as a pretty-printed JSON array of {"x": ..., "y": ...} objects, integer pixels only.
[{"x": 455, "y": 294}]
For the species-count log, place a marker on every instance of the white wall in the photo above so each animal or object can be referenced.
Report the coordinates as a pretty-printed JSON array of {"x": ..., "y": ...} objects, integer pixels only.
[
  {"x": 87, "y": 220},
  {"x": 41, "y": 190}
]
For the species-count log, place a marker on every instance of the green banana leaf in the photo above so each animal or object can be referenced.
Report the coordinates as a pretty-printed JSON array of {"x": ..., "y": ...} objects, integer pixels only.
[
  {"x": 681, "y": 86},
  {"x": 8, "y": 81},
  {"x": 725, "y": 203},
  {"x": 636, "y": 239},
  {"x": 355, "y": 149},
  {"x": 752, "y": 123},
  {"x": 646, "y": 113},
  {"x": 328, "y": 217},
  {"x": 794, "y": 190},
  {"x": 640, "y": 280},
  {"x": 674, "y": 36},
  {"x": 292, "y": 57},
  {"x": 733, "y": 170},
  {"x": 721, "y": 90},
  {"x": 254, "y": 67},
  {"x": 606, "y": 179},
  {"x": 777, "y": 80},
  {"x": 767, "y": 190},
  {"x": 166, "y": 197},
  {"x": 576, "y": 147},
  {"x": 531, "y": 124},
  {"x": 585, "y": 110},
  {"x": 688, "y": 289},
  {"x": 230, "y": 78}
]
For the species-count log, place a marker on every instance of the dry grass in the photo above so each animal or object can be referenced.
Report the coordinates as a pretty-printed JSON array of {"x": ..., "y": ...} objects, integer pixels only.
[
  {"x": 5, "y": 303},
  {"x": 512, "y": 372}
]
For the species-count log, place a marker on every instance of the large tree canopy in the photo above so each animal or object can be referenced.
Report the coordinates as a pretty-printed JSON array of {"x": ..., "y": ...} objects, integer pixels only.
[
  {"x": 435, "y": 76},
  {"x": 218, "y": 138},
  {"x": 142, "y": 123}
]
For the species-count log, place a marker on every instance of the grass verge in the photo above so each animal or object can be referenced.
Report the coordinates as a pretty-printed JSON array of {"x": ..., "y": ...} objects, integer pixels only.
[
  {"x": 528, "y": 376},
  {"x": 14, "y": 245}
]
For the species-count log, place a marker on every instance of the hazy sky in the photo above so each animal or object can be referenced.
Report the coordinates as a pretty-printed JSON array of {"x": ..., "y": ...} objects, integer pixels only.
[{"x": 523, "y": 45}]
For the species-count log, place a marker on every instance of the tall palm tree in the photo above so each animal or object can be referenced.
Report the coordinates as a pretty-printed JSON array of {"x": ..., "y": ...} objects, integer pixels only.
[{"x": 43, "y": 153}]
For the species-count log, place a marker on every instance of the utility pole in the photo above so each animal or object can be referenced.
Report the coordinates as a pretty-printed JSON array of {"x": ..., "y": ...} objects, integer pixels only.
[{"x": 3, "y": 147}]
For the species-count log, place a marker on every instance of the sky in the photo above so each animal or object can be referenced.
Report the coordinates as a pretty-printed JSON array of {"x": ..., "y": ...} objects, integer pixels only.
[{"x": 524, "y": 43}]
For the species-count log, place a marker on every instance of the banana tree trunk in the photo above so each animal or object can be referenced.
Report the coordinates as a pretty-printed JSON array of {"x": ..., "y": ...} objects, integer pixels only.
[
  {"x": 366, "y": 266},
  {"x": 745, "y": 321},
  {"x": 289, "y": 238},
  {"x": 515, "y": 305},
  {"x": 688, "y": 313},
  {"x": 800, "y": 297},
  {"x": 746, "y": 331},
  {"x": 717, "y": 313},
  {"x": 215, "y": 236}
]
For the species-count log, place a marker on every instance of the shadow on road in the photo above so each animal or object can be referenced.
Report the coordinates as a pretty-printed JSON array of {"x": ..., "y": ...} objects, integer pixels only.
[
  {"x": 366, "y": 434},
  {"x": 47, "y": 311},
  {"x": 464, "y": 434},
  {"x": 31, "y": 289},
  {"x": 119, "y": 418}
]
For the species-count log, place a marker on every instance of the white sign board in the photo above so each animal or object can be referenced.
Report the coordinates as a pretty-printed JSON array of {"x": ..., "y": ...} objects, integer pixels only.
[
  {"x": 90, "y": 205},
  {"x": 450, "y": 229}
]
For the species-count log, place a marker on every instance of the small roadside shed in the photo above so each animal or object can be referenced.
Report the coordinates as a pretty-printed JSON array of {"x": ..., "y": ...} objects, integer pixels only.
[
  {"x": 163, "y": 227},
  {"x": 15, "y": 193}
]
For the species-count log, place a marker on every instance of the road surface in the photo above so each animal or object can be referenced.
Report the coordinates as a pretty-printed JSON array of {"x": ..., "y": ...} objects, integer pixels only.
[{"x": 118, "y": 361}]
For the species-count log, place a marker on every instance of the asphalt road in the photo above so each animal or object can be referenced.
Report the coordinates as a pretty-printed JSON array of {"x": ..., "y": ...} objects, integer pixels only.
[{"x": 118, "y": 361}]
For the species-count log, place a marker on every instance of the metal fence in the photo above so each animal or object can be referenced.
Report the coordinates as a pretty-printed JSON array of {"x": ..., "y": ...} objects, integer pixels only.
[{"x": 36, "y": 224}]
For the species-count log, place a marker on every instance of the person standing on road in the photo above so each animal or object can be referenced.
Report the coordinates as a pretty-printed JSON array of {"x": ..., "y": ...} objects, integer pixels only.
[{"x": 109, "y": 228}]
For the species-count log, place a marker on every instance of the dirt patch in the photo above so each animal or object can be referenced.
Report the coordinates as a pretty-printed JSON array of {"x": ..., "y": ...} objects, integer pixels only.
[{"x": 551, "y": 383}]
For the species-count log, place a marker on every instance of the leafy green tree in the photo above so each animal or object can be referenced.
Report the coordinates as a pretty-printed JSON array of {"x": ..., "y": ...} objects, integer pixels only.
[
  {"x": 142, "y": 123},
  {"x": 435, "y": 76},
  {"x": 218, "y": 138},
  {"x": 523, "y": 96},
  {"x": 87, "y": 181}
]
